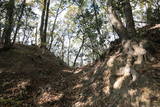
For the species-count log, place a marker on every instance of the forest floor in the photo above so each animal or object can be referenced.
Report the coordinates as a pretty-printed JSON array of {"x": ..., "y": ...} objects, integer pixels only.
[{"x": 29, "y": 78}]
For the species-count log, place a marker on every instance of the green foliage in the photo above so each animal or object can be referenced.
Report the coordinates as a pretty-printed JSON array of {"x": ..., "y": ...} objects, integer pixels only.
[
  {"x": 153, "y": 15},
  {"x": 77, "y": 19}
]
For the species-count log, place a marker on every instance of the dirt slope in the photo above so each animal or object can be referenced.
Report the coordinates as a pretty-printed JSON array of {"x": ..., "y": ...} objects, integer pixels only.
[
  {"x": 30, "y": 79},
  {"x": 97, "y": 85}
]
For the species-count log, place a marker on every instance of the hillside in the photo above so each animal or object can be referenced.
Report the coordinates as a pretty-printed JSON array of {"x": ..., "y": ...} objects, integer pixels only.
[
  {"x": 30, "y": 78},
  {"x": 108, "y": 84},
  {"x": 79, "y": 53},
  {"x": 26, "y": 74}
]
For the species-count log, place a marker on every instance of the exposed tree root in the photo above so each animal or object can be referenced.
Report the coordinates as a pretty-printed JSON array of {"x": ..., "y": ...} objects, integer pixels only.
[{"x": 127, "y": 62}]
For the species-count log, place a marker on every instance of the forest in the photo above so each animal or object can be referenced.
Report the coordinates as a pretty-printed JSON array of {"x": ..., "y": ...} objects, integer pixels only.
[{"x": 79, "y": 53}]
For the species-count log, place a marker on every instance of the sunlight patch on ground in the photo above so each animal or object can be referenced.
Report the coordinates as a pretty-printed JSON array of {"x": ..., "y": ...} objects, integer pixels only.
[
  {"x": 48, "y": 97},
  {"x": 67, "y": 70},
  {"x": 77, "y": 71},
  {"x": 86, "y": 78},
  {"x": 23, "y": 84},
  {"x": 132, "y": 92},
  {"x": 145, "y": 95},
  {"x": 78, "y": 86},
  {"x": 106, "y": 90},
  {"x": 89, "y": 102}
]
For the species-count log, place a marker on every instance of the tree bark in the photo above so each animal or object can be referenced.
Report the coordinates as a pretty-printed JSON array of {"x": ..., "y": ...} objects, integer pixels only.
[
  {"x": 36, "y": 36},
  {"x": 18, "y": 21},
  {"x": 0, "y": 33},
  {"x": 42, "y": 35},
  {"x": 46, "y": 22},
  {"x": 129, "y": 18},
  {"x": 68, "y": 56},
  {"x": 25, "y": 29},
  {"x": 8, "y": 24},
  {"x": 24, "y": 33},
  {"x": 116, "y": 21},
  {"x": 62, "y": 48}
]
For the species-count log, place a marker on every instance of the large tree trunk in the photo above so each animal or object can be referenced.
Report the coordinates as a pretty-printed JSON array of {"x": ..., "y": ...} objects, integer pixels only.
[
  {"x": 116, "y": 21},
  {"x": 8, "y": 24},
  {"x": 132, "y": 50},
  {"x": 19, "y": 21}
]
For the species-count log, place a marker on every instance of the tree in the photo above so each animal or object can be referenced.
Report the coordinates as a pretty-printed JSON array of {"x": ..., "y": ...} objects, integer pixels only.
[
  {"x": 19, "y": 20},
  {"x": 8, "y": 24},
  {"x": 129, "y": 18},
  {"x": 44, "y": 22},
  {"x": 54, "y": 24},
  {"x": 80, "y": 48},
  {"x": 116, "y": 21}
]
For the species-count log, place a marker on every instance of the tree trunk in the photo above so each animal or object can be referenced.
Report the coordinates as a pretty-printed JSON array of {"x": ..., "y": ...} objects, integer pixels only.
[
  {"x": 54, "y": 24},
  {"x": 24, "y": 33},
  {"x": 42, "y": 34},
  {"x": 69, "y": 43},
  {"x": 19, "y": 21},
  {"x": 95, "y": 13},
  {"x": 75, "y": 60},
  {"x": 8, "y": 24},
  {"x": 24, "y": 30},
  {"x": 46, "y": 23},
  {"x": 62, "y": 48},
  {"x": 82, "y": 59},
  {"x": 116, "y": 21},
  {"x": 129, "y": 18},
  {"x": 0, "y": 33},
  {"x": 36, "y": 36}
]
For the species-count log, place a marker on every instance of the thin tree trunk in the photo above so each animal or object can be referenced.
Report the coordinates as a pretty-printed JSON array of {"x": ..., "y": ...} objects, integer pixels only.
[
  {"x": 0, "y": 33},
  {"x": 69, "y": 46},
  {"x": 19, "y": 19},
  {"x": 42, "y": 25},
  {"x": 82, "y": 58},
  {"x": 46, "y": 22},
  {"x": 54, "y": 24},
  {"x": 95, "y": 13},
  {"x": 24, "y": 30},
  {"x": 24, "y": 33},
  {"x": 129, "y": 18},
  {"x": 8, "y": 24},
  {"x": 36, "y": 34},
  {"x": 62, "y": 49},
  {"x": 26, "y": 41},
  {"x": 69, "y": 51},
  {"x": 75, "y": 60}
]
